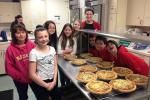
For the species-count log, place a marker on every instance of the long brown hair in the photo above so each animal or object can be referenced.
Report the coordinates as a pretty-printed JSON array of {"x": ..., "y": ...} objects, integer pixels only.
[{"x": 64, "y": 38}]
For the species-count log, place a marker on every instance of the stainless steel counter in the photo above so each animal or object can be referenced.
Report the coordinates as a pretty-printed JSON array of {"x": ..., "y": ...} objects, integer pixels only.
[{"x": 71, "y": 71}]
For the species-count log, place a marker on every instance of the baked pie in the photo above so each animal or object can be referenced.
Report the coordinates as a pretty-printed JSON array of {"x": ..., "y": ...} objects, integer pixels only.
[
  {"x": 69, "y": 57},
  {"x": 85, "y": 55},
  {"x": 98, "y": 87},
  {"x": 122, "y": 71},
  {"x": 94, "y": 59},
  {"x": 106, "y": 75},
  {"x": 139, "y": 80},
  {"x": 88, "y": 68},
  {"x": 86, "y": 77},
  {"x": 105, "y": 65},
  {"x": 122, "y": 85},
  {"x": 78, "y": 61}
]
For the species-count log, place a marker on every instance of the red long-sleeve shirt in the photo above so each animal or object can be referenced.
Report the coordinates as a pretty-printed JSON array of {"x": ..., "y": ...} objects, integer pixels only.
[
  {"x": 129, "y": 60},
  {"x": 17, "y": 61}
]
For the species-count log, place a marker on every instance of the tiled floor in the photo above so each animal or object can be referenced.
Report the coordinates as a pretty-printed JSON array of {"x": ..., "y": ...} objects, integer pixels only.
[
  {"x": 68, "y": 93},
  {"x": 6, "y": 83}
]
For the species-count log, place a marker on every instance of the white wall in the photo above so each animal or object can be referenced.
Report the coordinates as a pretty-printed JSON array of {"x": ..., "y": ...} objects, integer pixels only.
[
  {"x": 38, "y": 11},
  {"x": 58, "y": 11}
]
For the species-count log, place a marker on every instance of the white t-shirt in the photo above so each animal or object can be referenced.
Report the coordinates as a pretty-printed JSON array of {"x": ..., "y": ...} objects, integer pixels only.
[
  {"x": 74, "y": 48},
  {"x": 45, "y": 62}
]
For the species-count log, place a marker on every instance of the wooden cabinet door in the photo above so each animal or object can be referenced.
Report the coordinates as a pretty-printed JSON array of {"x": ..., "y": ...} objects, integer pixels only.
[
  {"x": 8, "y": 11},
  {"x": 135, "y": 12},
  {"x": 2, "y": 62},
  {"x": 147, "y": 13}
]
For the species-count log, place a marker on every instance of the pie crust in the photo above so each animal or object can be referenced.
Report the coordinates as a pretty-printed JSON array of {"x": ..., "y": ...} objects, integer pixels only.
[
  {"x": 98, "y": 87},
  {"x": 88, "y": 68},
  {"x": 69, "y": 57},
  {"x": 86, "y": 77},
  {"x": 105, "y": 65},
  {"x": 78, "y": 61},
  {"x": 106, "y": 75},
  {"x": 139, "y": 80},
  {"x": 85, "y": 55},
  {"x": 94, "y": 59},
  {"x": 122, "y": 85},
  {"x": 122, "y": 71}
]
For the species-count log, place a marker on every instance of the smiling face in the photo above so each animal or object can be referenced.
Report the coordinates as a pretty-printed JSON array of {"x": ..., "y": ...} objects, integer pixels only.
[
  {"x": 100, "y": 45},
  {"x": 51, "y": 28},
  {"x": 20, "y": 36},
  {"x": 42, "y": 38},
  {"x": 89, "y": 16},
  {"x": 76, "y": 25},
  {"x": 112, "y": 48},
  {"x": 68, "y": 31}
]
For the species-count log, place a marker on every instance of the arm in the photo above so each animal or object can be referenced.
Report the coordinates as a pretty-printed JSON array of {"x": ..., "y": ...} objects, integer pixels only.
[
  {"x": 74, "y": 46},
  {"x": 59, "y": 50},
  {"x": 34, "y": 77},
  {"x": 10, "y": 68},
  {"x": 137, "y": 64},
  {"x": 55, "y": 71}
]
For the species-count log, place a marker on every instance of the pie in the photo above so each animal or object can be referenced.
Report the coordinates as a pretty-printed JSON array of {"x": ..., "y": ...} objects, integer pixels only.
[
  {"x": 94, "y": 59},
  {"x": 78, "y": 61},
  {"x": 98, "y": 87},
  {"x": 88, "y": 68},
  {"x": 139, "y": 80},
  {"x": 122, "y": 71},
  {"x": 85, "y": 55},
  {"x": 86, "y": 77},
  {"x": 122, "y": 85},
  {"x": 106, "y": 75},
  {"x": 105, "y": 65},
  {"x": 69, "y": 57}
]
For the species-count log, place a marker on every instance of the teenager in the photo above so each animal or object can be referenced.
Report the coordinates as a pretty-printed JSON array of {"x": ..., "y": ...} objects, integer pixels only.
[
  {"x": 126, "y": 59},
  {"x": 51, "y": 28},
  {"x": 67, "y": 42}
]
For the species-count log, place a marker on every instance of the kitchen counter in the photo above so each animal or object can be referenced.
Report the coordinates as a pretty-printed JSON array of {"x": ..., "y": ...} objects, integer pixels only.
[{"x": 71, "y": 71}]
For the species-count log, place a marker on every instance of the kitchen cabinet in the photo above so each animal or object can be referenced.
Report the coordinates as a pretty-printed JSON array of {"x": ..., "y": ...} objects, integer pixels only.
[
  {"x": 8, "y": 11},
  {"x": 3, "y": 47},
  {"x": 117, "y": 16},
  {"x": 34, "y": 13},
  {"x": 147, "y": 13},
  {"x": 138, "y": 12},
  {"x": 2, "y": 61}
]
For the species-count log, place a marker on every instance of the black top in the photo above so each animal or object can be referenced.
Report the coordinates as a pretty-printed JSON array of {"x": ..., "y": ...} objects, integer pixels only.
[
  {"x": 89, "y": 26},
  {"x": 53, "y": 41}
]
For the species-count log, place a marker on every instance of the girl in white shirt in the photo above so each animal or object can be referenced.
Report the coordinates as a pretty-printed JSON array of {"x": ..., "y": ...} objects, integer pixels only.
[
  {"x": 67, "y": 43},
  {"x": 43, "y": 67}
]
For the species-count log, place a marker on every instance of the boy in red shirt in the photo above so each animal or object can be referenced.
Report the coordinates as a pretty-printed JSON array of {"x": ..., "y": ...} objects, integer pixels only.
[
  {"x": 100, "y": 44},
  {"x": 126, "y": 59}
]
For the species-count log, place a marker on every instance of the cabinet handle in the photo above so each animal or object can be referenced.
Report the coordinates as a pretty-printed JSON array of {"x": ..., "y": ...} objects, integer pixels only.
[{"x": 141, "y": 21}]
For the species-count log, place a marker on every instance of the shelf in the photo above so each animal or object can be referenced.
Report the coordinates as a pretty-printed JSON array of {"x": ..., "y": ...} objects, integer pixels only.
[{"x": 133, "y": 38}]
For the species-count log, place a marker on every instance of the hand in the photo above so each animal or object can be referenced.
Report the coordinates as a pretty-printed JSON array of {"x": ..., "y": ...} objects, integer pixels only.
[
  {"x": 48, "y": 87},
  {"x": 68, "y": 50},
  {"x": 51, "y": 85}
]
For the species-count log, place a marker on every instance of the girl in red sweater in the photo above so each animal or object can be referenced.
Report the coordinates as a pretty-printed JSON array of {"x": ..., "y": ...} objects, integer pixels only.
[
  {"x": 126, "y": 59},
  {"x": 17, "y": 60}
]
